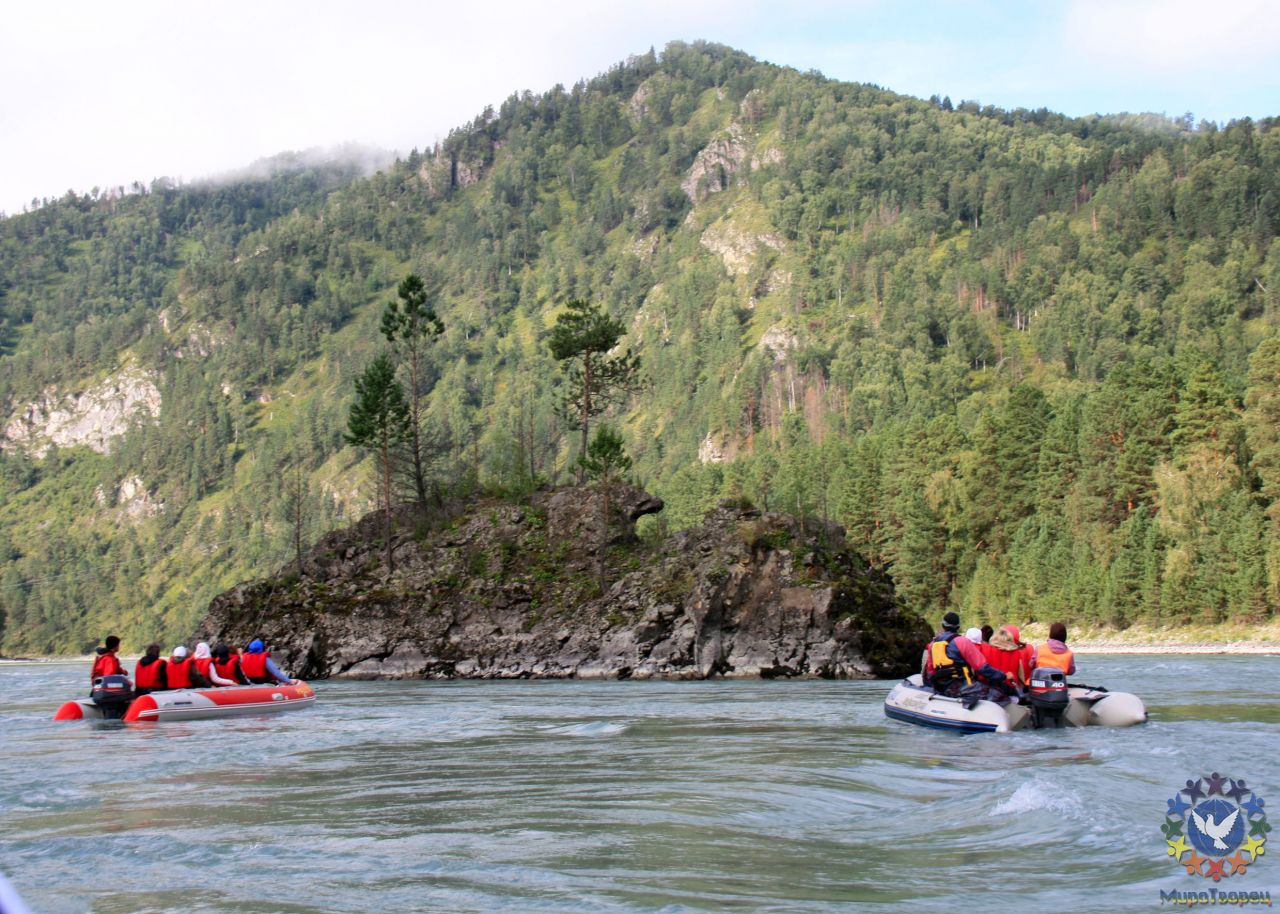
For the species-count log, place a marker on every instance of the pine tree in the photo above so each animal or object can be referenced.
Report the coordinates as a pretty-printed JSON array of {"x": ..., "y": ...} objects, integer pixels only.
[
  {"x": 409, "y": 325},
  {"x": 1205, "y": 416},
  {"x": 379, "y": 422},
  {"x": 1262, "y": 423},
  {"x": 604, "y": 461},
  {"x": 582, "y": 338}
]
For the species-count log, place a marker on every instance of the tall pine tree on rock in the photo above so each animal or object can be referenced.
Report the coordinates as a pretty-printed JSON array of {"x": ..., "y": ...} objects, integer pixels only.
[
  {"x": 582, "y": 338},
  {"x": 379, "y": 422}
]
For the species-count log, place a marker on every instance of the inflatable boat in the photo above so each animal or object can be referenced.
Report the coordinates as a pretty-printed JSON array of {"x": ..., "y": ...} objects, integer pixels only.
[
  {"x": 1076, "y": 706},
  {"x": 115, "y": 701}
]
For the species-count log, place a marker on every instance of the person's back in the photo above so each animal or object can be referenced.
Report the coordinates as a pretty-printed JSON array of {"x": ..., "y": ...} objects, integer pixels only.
[
  {"x": 257, "y": 666},
  {"x": 205, "y": 672},
  {"x": 181, "y": 669},
  {"x": 1007, "y": 654},
  {"x": 107, "y": 663},
  {"x": 150, "y": 674},
  {"x": 226, "y": 665},
  {"x": 1054, "y": 652}
]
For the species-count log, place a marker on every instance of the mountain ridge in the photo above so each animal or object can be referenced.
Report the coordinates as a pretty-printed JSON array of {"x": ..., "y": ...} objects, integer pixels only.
[{"x": 842, "y": 288}]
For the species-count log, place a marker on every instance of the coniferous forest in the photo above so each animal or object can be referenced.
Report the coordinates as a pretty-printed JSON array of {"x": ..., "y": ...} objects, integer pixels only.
[{"x": 1030, "y": 363}]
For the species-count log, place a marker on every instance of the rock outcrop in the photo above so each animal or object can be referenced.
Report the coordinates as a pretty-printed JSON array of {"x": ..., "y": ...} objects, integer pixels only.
[
  {"x": 94, "y": 418},
  {"x": 512, "y": 591},
  {"x": 715, "y": 165}
]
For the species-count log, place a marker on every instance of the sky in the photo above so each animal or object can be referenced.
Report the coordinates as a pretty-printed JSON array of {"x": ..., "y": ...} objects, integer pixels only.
[{"x": 105, "y": 94}]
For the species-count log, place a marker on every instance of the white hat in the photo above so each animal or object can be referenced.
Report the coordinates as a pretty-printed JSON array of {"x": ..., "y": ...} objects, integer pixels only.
[
  {"x": 974, "y": 635},
  {"x": 179, "y": 651}
]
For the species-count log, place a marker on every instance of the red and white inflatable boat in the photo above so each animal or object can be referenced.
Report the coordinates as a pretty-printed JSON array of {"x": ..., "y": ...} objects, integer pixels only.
[{"x": 196, "y": 704}]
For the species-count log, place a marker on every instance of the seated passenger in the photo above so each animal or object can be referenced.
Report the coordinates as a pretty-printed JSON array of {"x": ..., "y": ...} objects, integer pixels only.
[
  {"x": 203, "y": 661},
  {"x": 182, "y": 671},
  {"x": 1009, "y": 655},
  {"x": 226, "y": 663},
  {"x": 107, "y": 663},
  {"x": 953, "y": 665},
  {"x": 1055, "y": 652},
  {"x": 258, "y": 667},
  {"x": 150, "y": 674}
]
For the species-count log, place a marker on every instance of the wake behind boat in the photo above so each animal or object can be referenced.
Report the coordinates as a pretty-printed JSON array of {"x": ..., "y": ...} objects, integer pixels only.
[
  {"x": 114, "y": 700},
  {"x": 913, "y": 702}
]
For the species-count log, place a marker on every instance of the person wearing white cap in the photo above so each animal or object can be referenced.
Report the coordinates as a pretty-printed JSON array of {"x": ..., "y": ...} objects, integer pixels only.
[{"x": 180, "y": 669}]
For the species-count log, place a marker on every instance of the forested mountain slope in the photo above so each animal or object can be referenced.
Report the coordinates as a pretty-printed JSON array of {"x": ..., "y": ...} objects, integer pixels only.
[{"x": 1030, "y": 362}]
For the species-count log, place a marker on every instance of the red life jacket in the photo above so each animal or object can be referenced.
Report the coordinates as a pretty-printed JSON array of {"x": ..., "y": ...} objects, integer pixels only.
[
  {"x": 147, "y": 675},
  {"x": 180, "y": 673},
  {"x": 254, "y": 667},
  {"x": 227, "y": 670},
  {"x": 1016, "y": 664},
  {"x": 106, "y": 665},
  {"x": 202, "y": 665}
]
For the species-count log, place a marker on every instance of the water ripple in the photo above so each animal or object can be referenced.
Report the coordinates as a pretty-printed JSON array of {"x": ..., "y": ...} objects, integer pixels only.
[{"x": 622, "y": 798}]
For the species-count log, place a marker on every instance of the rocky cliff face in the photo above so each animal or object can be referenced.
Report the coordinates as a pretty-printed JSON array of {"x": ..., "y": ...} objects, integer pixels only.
[
  {"x": 510, "y": 591},
  {"x": 95, "y": 418}
]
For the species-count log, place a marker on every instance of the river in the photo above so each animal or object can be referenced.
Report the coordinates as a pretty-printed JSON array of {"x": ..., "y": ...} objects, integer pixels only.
[{"x": 777, "y": 796}]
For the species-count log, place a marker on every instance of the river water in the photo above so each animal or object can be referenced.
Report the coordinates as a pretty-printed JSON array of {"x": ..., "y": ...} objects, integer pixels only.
[{"x": 780, "y": 796}]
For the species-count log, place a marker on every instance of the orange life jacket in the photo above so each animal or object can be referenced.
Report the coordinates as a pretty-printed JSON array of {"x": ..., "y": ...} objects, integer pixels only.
[
  {"x": 180, "y": 673},
  {"x": 254, "y": 667},
  {"x": 147, "y": 675},
  {"x": 1046, "y": 656}
]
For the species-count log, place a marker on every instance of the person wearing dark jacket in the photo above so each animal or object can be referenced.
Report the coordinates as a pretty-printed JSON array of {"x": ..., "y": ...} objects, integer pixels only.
[
  {"x": 226, "y": 664},
  {"x": 954, "y": 666},
  {"x": 150, "y": 675}
]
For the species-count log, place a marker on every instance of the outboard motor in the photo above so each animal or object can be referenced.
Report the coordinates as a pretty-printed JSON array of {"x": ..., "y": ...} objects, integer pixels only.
[
  {"x": 113, "y": 695},
  {"x": 1047, "y": 694}
]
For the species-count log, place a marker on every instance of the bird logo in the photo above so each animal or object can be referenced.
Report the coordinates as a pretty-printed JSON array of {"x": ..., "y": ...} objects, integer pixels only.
[{"x": 1215, "y": 827}]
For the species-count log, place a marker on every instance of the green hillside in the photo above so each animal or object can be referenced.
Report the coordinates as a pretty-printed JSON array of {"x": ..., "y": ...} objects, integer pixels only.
[{"x": 1030, "y": 362}]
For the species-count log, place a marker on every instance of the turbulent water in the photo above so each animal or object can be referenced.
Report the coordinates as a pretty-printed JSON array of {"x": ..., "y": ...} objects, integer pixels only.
[{"x": 619, "y": 797}]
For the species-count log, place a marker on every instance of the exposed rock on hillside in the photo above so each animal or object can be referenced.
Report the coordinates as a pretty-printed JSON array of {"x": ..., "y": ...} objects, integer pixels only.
[
  {"x": 738, "y": 249},
  {"x": 93, "y": 418},
  {"x": 511, "y": 591},
  {"x": 715, "y": 165}
]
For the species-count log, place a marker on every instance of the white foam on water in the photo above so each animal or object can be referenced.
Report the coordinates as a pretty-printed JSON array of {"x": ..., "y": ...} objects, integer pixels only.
[
  {"x": 596, "y": 728},
  {"x": 1036, "y": 795}
]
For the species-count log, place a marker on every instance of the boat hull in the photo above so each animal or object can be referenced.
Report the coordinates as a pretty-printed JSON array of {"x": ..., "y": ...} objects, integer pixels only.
[
  {"x": 911, "y": 702},
  {"x": 199, "y": 704}
]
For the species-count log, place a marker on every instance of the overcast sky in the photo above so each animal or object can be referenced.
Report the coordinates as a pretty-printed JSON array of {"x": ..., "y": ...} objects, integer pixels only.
[{"x": 103, "y": 94}]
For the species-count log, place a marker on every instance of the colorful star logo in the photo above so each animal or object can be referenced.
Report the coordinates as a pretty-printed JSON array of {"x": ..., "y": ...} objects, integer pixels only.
[{"x": 1187, "y": 817}]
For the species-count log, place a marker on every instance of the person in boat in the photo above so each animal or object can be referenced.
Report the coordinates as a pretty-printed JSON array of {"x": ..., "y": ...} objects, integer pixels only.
[
  {"x": 107, "y": 663},
  {"x": 203, "y": 661},
  {"x": 258, "y": 667},
  {"x": 953, "y": 665},
  {"x": 182, "y": 672},
  {"x": 1055, "y": 652},
  {"x": 987, "y": 632},
  {"x": 226, "y": 665},
  {"x": 150, "y": 674},
  {"x": 1009, "y": 655}
]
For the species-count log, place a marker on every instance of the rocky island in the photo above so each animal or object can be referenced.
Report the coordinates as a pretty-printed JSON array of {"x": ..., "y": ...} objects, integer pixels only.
[{"x": 504, "y": 590}]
